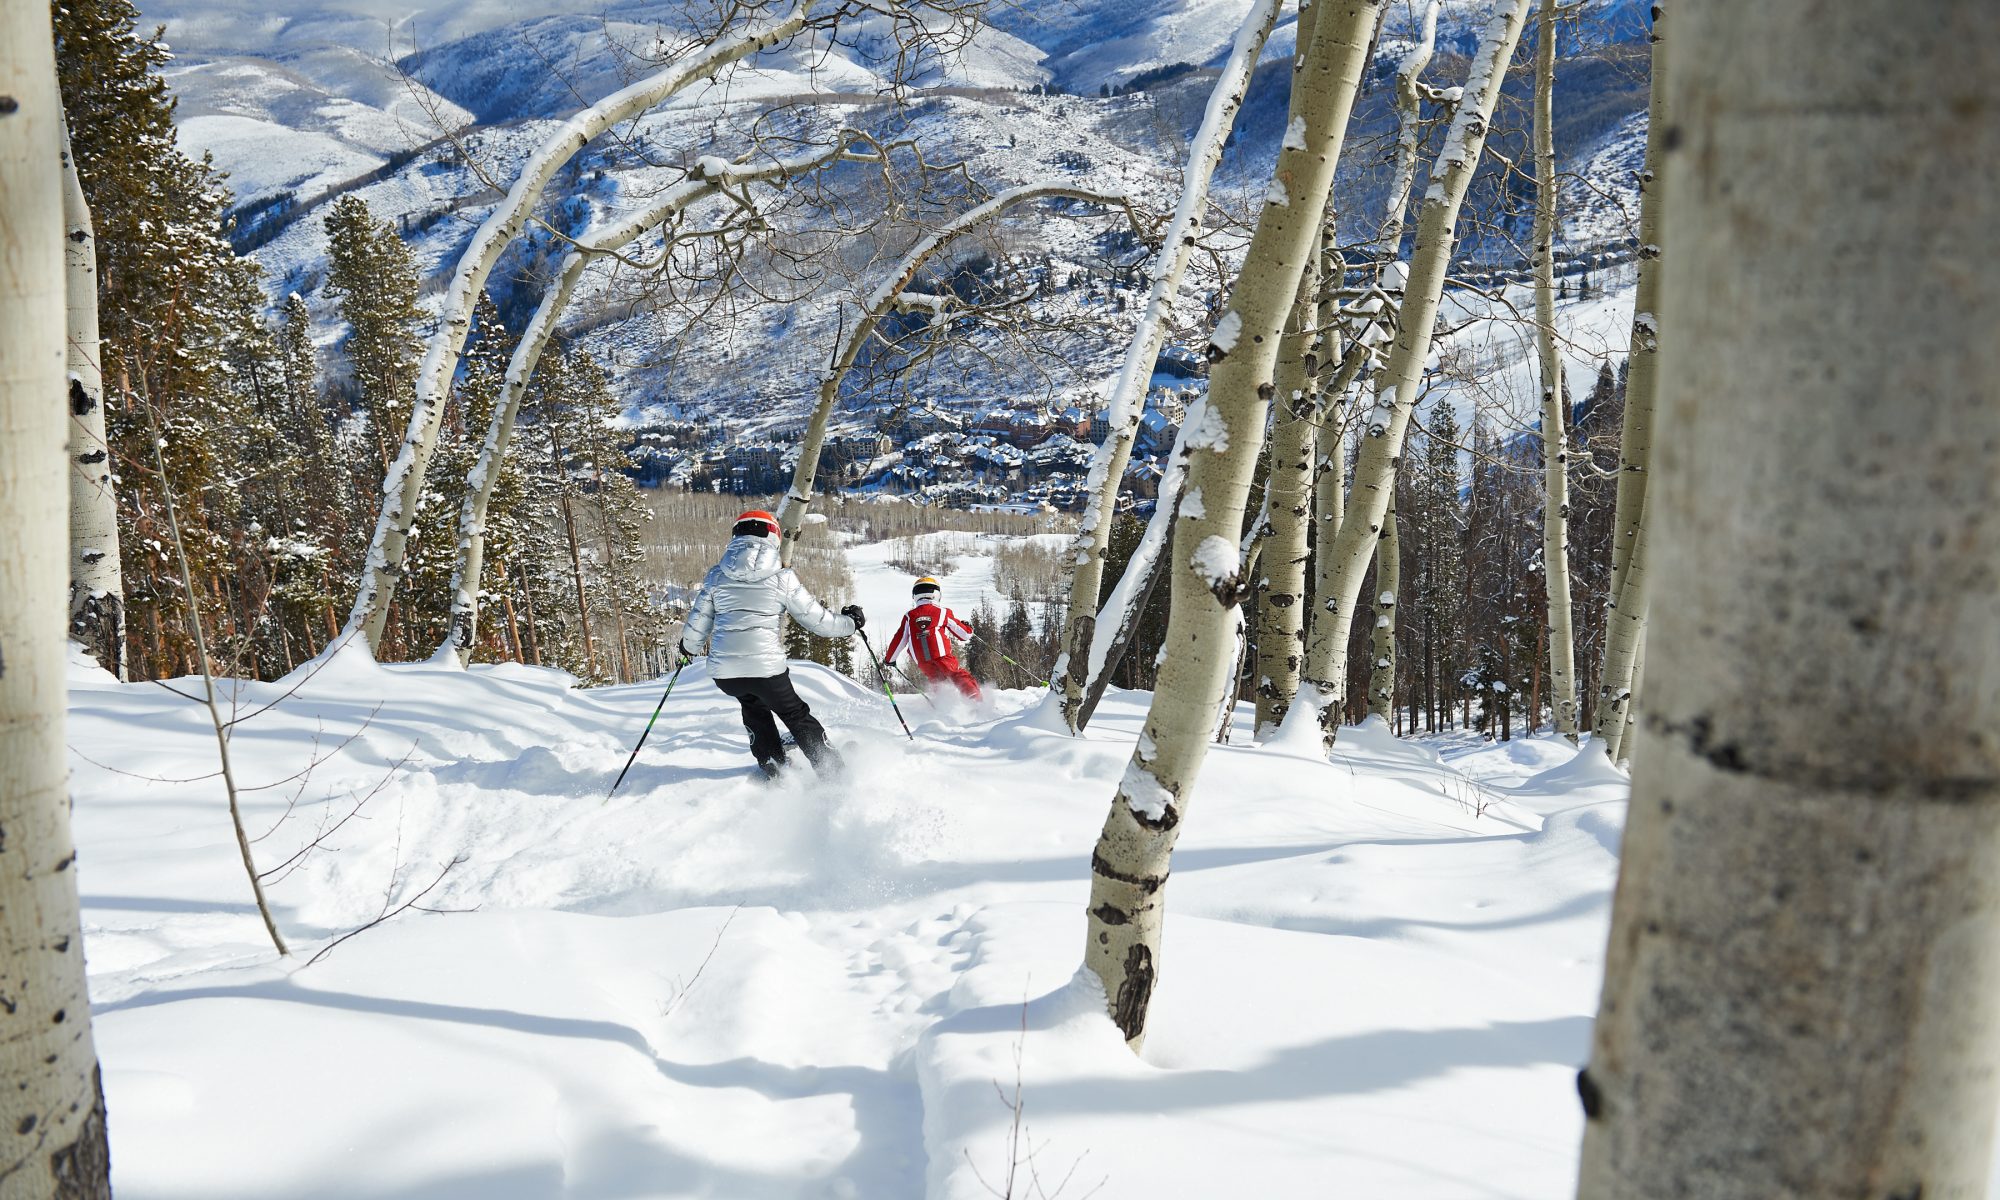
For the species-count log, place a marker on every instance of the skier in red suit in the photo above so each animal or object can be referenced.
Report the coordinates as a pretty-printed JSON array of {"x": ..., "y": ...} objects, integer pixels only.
[{"x": 928, "y": 631}]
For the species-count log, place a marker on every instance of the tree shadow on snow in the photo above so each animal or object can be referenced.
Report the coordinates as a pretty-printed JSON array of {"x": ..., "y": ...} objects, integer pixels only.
[{"x": 888, "y": 1112}]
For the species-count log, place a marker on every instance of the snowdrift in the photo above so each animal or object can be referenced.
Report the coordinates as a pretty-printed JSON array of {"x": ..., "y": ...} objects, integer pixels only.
[{"x": 1379, "y": 969}]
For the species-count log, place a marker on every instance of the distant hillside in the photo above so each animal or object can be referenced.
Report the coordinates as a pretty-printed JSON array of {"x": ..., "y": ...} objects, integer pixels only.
[{"x": 336, "y": 97}]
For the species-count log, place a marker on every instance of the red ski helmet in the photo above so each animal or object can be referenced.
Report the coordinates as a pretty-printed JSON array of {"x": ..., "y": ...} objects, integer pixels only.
[{"x": 756, "y": 523}]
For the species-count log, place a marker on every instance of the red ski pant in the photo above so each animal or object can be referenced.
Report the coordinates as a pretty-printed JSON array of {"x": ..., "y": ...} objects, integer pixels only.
[{"x": 950, "y": 670}]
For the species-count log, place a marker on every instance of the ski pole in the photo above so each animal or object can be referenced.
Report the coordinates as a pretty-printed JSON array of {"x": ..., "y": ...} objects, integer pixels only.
[
  {"x": 671, "y": 680},
  {"x": 921, "y": 689},
  {"x": 1030, "y": 672},
  {"x": 888, "y": 691}
]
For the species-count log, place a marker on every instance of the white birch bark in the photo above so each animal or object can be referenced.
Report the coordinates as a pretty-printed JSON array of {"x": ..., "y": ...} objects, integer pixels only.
[
  {"x": 1624, "y": 641},
  {"x": 878, "y": 304},
  {"x": 1627, "y": 618},
  {"x": 1323, "y": 691},
  {"x": 1128, "y": 395},
  {"x": 1329, "y": 502},
  {"x": 1117, "y": 622},
  {"x": 1384, "y": 426},
  {"x": 96, "y": 575},
  {"x": 1129, "y": 867},
  {"x": 1802, "y": 994},
  {"x": 1382, "y": 644},
  {"x": 52, "y": 1110},
  {"x": 1555, "y": 438},
  {"x": 1288, "y": 501},
  {"x": 403, "y": 483},
  {"x": 708, "y": 178},
  {"x": 1409, "y": 132}
]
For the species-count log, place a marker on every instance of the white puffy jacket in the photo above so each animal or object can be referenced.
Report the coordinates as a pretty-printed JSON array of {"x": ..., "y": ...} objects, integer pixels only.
[{"x": 742, "y": 606}]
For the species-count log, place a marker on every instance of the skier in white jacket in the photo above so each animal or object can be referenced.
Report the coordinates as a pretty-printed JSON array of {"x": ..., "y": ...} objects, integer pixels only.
[{"x": 739, "y": 614}]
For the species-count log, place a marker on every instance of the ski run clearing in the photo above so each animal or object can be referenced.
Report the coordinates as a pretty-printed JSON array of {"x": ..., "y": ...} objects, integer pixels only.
[{"x": 1378, "y": 978}]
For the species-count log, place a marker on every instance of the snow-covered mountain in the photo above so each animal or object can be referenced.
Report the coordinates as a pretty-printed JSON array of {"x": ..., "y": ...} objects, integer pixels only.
[{"x": 303, "y": 102}]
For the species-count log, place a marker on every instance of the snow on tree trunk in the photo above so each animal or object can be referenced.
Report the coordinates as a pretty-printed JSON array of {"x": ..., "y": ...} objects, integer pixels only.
[
  {"x": 1382, "y": 646},
  {"x": 1802, "y": 992},
  {"x": 1555, "y": 438},
  {"x": 53, "y": 1110},
  {"x": 403, "y": 482},
  {"x": 1082, "y": 644},
  {"x": 1288, "y": 498},
  {"x": 96, "y": 575},
  {"x": 1383, "y": 427},
  {"x": 1627, "y": 620},
  {"x": 1129, "y": 867},
  {"x": 708, "y": 178},
  {"x": 894, "y": 291}
]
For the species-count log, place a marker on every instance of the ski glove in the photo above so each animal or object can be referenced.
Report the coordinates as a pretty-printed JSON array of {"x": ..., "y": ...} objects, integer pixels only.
[
  {"x": 853, "y": 613},
  {"x": 687, "y": 656}
]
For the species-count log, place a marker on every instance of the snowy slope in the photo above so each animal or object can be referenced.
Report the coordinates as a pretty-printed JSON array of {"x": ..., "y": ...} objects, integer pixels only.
[
  {"x": 1378, "y": 969},
  {"x": 307, "y": 98}
]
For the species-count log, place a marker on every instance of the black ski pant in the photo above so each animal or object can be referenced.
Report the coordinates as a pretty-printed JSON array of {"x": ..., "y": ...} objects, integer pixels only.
[{"x": 774, "y": 696}]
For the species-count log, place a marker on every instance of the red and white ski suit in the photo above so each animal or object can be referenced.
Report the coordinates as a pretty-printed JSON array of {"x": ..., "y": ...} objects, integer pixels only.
[{"x": 928, "y": 631}]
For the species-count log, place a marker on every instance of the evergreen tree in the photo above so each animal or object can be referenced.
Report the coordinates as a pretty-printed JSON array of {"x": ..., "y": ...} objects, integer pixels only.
[
  {"x": 1431, "y": 528},
  {"x": 580, "y": 538},
  {"x": 373, "y": 276},
  {"x": 179, "y": 318},
  {"x": 981, "y": 658}
]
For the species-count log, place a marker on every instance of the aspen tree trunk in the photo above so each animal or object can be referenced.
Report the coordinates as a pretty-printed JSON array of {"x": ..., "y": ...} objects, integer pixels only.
[
  {"x": 403, "y": 481},
  {"x": 1383, "y": 428},
  {"x": 96, "y": 575},
  {"x": 1555, "y": 438},
  {"x": 1081, "y": 645},
  {"x": 1624, "y": 638},
  {"x": 52, "y": 1112},
  {"x": 1388, "y": 579},
  {"x": 1129, "y": 867},
  {"x": 1626, "y": 618},
  {"x": 1288, "y": 499},
  {"x": 1326, "y": 674},
  {"x": 1802, "y": 992},
  {"x": 892, "y": 293},
  {"x": 1129, "y": 598}
]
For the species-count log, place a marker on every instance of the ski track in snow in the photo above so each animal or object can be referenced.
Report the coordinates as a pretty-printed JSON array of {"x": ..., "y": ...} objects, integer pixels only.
[{"x": 1380, "y": 967}]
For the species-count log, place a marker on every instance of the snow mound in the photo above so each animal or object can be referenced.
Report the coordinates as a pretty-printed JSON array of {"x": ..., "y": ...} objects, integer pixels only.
[{"x": 713, "y": 985}]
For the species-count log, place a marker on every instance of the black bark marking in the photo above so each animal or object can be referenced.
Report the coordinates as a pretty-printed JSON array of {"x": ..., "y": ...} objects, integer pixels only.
[
  {"x": 82, "y": 1169},
  {"x": 1588, "y": 1092},
  {"x": 1913, "y": 1192},
  {"x": 1135, "y": 991},
  {"x": 27, "y": 1124},
  {"x": 92, "y": 457},
  {"x": 80, "y": 402},
  {"x": 1145, "y": 883},
  {"x": 1166, "y": 820},
  {"x": 9, "y": 106},
  {"x": 1111, "y": 914},
  {"x": 1728, "y": 755}
]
